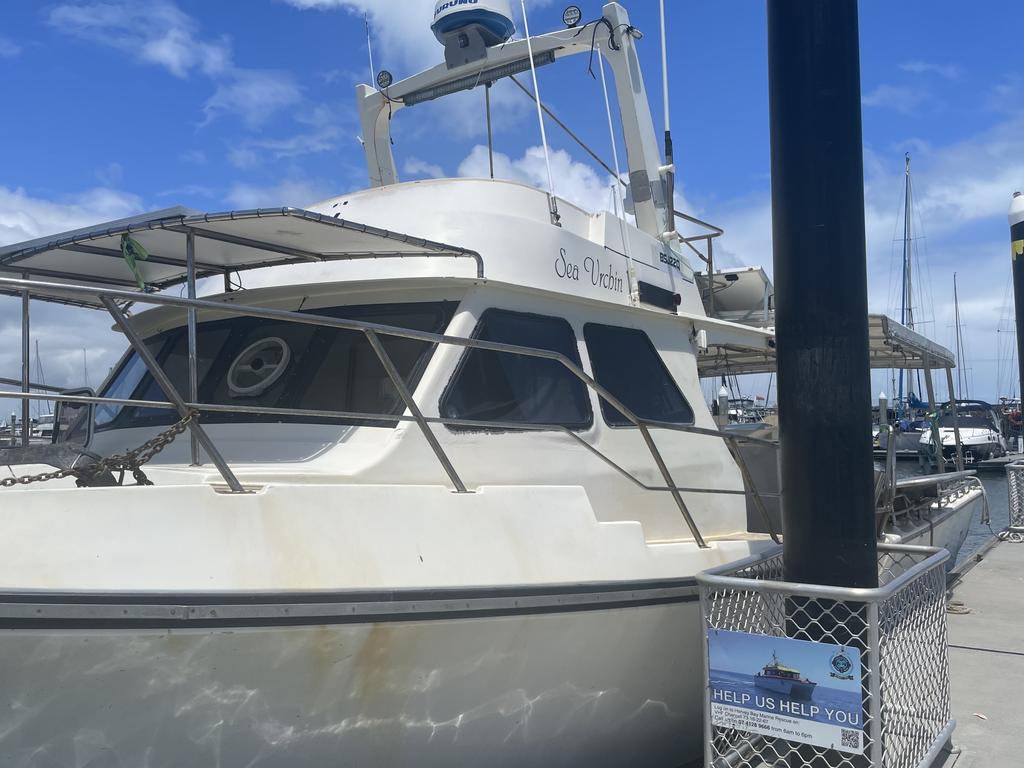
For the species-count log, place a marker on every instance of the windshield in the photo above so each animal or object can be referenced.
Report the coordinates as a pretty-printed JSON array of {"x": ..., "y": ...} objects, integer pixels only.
[
  {"x": 272, "y": 364},
  {"x": 966, "y": 421}
]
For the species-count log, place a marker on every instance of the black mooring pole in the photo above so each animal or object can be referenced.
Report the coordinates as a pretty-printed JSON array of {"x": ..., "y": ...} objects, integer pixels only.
[
  {"x": 821, "y": 322},
  {"x": 1017, "y": 255}
]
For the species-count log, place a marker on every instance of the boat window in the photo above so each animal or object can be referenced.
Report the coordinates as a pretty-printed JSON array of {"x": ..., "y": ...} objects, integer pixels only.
[
  {"x": 626, "y": 363},
  {"x": 502, "y": 386},
  {"x": 124, "y": 385},
  {"x": 264, "y": 363}
]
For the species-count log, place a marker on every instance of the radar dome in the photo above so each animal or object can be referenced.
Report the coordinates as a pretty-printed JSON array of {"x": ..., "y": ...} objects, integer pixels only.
[{"x": 492, "y": 17}]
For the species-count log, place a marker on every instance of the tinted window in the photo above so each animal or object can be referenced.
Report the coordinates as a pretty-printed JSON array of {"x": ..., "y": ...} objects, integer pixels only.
[
  {"x": 249, "y": 361},
  {"x": 629, "y": 367},
  {"x": 501, "y": 386}
]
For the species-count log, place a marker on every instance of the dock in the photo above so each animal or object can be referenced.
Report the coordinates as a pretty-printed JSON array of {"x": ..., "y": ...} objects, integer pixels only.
[
  {"x": 986, "y": 659},
  {"x": 998, "y": 465}
]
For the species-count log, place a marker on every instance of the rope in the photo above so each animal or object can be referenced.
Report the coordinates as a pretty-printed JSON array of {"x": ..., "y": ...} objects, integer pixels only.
[{"x": 568, "y": 131}]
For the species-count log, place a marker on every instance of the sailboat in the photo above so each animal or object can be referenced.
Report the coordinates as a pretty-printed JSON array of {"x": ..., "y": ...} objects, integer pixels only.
[{"x": 911, "y": 413}]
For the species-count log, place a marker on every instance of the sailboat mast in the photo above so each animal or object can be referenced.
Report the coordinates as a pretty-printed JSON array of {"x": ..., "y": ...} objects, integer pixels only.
[
  {"x": 908, "y": 294},
  {"x": 906, "y": 311},
  {"x": 961, "y": 373}
]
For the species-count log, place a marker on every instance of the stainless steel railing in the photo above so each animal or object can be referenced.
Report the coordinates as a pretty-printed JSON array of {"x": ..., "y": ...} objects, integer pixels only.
[{"x": 372, "y": 331}]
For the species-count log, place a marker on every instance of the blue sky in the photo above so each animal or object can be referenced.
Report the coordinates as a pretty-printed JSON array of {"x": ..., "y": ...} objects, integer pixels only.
[{"x": 117, "y": 107}]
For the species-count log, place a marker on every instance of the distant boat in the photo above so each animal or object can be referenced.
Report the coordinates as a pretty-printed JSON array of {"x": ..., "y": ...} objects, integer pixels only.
[{"x": 780, "y": 679}]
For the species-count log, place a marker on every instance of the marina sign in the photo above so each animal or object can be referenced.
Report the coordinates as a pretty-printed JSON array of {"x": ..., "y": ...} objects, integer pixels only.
[{"x": 804, "y": 692}]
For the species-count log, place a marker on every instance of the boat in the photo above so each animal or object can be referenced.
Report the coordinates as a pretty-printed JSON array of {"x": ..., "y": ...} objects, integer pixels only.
[
  {"x": 777, "y": 678},
  {"x": 431, "y": 490},
  {"x": 980, "y": 427},
  {"x": 933, "y": 509},
  {"x": 911, "y": 415}
]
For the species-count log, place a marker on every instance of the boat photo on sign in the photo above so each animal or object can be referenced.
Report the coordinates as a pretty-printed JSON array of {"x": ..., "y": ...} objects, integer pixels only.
[{"x": 797, "y": 690}]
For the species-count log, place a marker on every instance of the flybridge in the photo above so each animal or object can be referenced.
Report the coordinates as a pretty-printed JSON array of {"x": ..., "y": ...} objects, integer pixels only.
[{"x": 612, "y": 37}]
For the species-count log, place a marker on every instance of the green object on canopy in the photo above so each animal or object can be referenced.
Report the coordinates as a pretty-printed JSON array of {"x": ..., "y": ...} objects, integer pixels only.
[{"x": 132, "y": 252}]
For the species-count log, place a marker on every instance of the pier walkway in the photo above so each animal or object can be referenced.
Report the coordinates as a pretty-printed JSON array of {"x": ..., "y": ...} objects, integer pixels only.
[{"x": 986, "y": 658}]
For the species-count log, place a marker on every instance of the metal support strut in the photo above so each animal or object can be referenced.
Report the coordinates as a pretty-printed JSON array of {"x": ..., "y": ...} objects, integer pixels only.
[
  {"x": 26, "y": 427},
  {"x": 414, "y": 409},
  {"x": 193, "y": 370},
  {"x": 165, "y": 384}
]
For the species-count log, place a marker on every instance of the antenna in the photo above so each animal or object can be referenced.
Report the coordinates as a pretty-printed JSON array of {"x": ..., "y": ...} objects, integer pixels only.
[
  {"x": 490, "y": 135},
  {"x": 369, "y": 47},
  {"x": 670, "y": 172},
  {"x": 540, "y": 117}
]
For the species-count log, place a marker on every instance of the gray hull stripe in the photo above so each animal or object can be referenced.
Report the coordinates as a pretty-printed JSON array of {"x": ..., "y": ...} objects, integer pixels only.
[{"x": 106, "y": 611}]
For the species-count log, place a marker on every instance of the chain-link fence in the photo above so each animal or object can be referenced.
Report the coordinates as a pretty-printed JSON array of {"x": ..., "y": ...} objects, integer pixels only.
[
  {"x": 898, "y": 628},
  {"x": 1015, "y": 487}
]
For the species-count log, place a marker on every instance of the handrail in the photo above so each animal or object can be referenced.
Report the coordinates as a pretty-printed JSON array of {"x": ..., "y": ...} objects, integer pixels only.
[
  {"x": 370, "y": 330},
  {"x": 255, "y": 410}
]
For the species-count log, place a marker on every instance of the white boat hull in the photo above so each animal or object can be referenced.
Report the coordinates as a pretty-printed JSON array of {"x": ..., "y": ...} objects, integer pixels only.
[
  {"x": 579, "y": 688},
  {"x": 947, "y": 528}
]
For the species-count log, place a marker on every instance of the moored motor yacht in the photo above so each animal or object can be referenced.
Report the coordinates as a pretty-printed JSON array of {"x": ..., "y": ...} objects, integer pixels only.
[
  {"x": 980, "y": 429},
  {"x": 431, "y": 490}
]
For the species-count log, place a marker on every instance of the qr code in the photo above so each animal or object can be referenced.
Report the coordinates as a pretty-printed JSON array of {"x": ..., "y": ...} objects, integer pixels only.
[{"x": 850, "y": 738}]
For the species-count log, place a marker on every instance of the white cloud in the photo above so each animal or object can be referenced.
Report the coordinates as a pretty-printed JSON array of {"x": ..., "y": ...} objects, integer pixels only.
[
  {"x": 299, "y": 193},
  {"x": 154, "y": 31},
  {"x": 404, "y": 44},
  {"x": 196, "y": 156},
  {"x": 189, "y": 190},
  {"x": 158, "y": 33},
  {"x": 574, "y": 181},
  {"x": 421, "y": 168},
  {"x": 253, "y": 94},
  {"x": 62, "y": 332},
  {"x": 898, "y": 97},
  {"x": 401, "y": 29},
  {"x": 23, "y": 217},
  {"x": 322, "y": 136},
  {"x": 948, "y": 71},
  {"x": 8, "y": 48}
]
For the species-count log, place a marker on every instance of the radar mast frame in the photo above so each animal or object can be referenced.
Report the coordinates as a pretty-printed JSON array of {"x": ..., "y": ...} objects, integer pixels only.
[{"x": 647, "y": 174}]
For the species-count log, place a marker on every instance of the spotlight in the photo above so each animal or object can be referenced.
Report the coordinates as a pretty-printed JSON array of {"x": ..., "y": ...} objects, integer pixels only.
[
  {"x": 571, "y": 16},
  {"x": 384, "y": 79}
]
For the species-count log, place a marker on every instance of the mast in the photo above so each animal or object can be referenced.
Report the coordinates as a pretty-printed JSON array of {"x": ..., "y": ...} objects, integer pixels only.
[
  {"x": 908, "y": 296},
  {"x": 961, "y": 373},
  {"x": 906, "y": 300}
]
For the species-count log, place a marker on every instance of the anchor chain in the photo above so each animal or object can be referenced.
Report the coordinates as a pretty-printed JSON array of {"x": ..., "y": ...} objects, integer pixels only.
[{"x": 129, "y": 461}]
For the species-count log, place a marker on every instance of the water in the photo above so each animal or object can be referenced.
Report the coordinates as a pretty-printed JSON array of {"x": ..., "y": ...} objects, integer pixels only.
[
  {"x": 825, "y": 700},
  {"x": 998, "y": 504}
]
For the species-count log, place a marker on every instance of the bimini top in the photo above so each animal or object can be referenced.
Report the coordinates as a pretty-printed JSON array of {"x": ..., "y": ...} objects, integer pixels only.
[
  {"x": 109, "y": 255},
  {"x": 890, "y": 345}
]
